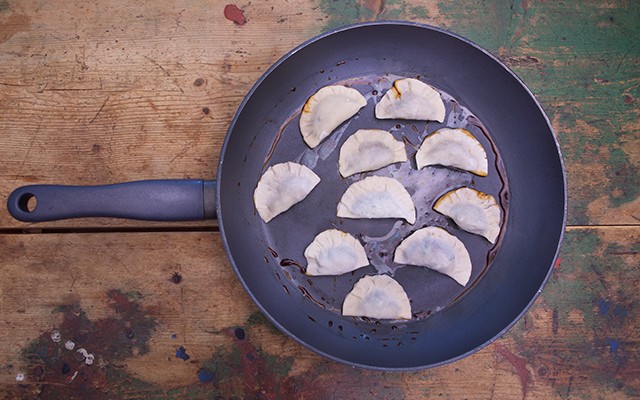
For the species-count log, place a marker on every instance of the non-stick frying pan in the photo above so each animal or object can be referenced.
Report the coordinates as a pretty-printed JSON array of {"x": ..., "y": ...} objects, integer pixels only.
[{"x": 268, "y": 258}]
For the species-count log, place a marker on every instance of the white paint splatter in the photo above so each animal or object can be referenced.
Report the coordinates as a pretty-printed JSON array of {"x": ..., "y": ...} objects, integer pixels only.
[
  {"x": 69, "y": 345},
  {"x": 71, "y": 378},
  {"x": 20, "y": 377},
  {"x": 88, "y": 357},
  {"x": 56, "y": 336}
]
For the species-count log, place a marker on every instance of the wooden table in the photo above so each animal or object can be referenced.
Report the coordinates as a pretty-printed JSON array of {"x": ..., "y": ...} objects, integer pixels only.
[{"x": 102, "y": 92}]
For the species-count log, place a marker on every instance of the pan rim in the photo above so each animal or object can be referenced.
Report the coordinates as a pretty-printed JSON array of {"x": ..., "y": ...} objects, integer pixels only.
[{"x": 239, "y": 111}]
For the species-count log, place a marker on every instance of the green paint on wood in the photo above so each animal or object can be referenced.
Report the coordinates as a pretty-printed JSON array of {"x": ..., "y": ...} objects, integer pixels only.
[
  {"x": 567, "y": 288},
  {"x": 257, "y": 318},
  {"x": 581, "y": 60},
  {"x": 584, "y": 294},
  {"x": 342, "y": 13},
  {"x": 110, "y": 340},
  {"x": 278, "y": 365}
]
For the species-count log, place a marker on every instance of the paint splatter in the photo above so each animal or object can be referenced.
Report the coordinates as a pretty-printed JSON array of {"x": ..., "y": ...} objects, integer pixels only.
[
  {"x": 174, "y": 336},
  {"x": 176, "y": 278},
  {"x": 106, "y": 337},
  {"x": 239, "y": 332},
  {"x": 603, "y": 306},
  {"x": 204, "y": 375},
  {"x": 519, "y": 364},
  {"x": 69, "y": 345},
  {"x": 88, "y": 357},
  {"x": 613, "y": 350},
  {"x": 557, "y": 264},
  {"x": 233, "y": 13},
  {"x": 56, "y": 336},
  {"x": 71, "y": 378},
  {"x": 19, "y": 377},
  {"x": 65, "y": 369},
  {"x": 181, "y": 353},
  {"x": 613, "y": 345}
]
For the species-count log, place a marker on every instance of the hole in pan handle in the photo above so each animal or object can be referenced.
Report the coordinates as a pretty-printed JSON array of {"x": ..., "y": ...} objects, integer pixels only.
[{"x": 150, "y": 200}]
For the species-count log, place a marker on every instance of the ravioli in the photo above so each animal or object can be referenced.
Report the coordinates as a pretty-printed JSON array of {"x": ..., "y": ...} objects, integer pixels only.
[
  {"x": 471, "y": 210},
  {"x": 368, "y": 150},
  {"x": 453, "y": 148},
  {"x": 411, "y": 99},
  {"x": 377, "y": 197},
  {"x": 334, "y": 252},
  {"x": 282, "y": 186},
  {"x": 377, "y": 296},
  {"x": 326, "y": 110},
  {"x": 436, "y": 249}
]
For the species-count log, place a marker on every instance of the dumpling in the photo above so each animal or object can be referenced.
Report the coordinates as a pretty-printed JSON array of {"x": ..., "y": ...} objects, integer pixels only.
[
  {"x": 368, "y": 150},
  {"x": 453, "y": 148},
  {"x": 377, "y": 197},
  {"x": 282, "y": 186},
  {"x": 377, "y": 296},
  {"x": 471, "y": 210},
  {"x": 436, "y": 249},
  {"x": 326, "y": 110},
  {"x": 334, "y": 252},
  {"x": 411, "y": 99}
]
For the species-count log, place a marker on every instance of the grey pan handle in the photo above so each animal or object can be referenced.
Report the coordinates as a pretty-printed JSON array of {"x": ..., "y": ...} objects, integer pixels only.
[{"x": 151, "y": 200}]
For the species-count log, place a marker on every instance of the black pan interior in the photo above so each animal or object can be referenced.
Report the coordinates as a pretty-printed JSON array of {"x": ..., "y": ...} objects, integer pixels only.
[{"x": 265, "y": 257}]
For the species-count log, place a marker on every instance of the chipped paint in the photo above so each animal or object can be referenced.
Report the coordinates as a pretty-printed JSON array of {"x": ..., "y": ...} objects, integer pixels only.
[
  {"x": 519, "y": 364},
  {"x": 589, "y": 309},
  {"x": 583, "y": 96},
  {"x": 341, "y": 13},
  {"x": 16, "y": 23},
  {"x": 106, "y": 337}
]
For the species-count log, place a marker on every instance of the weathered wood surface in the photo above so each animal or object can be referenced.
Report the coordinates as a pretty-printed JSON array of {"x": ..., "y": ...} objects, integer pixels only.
[
  {"x": 113, "y": 295},
  {"x": 95, "y": 92}
]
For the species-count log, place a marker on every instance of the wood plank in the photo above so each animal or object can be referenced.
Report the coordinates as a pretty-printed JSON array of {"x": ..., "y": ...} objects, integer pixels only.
[
  {"x": 578, "y": 341},
  {"x": 119, "y": 93},
  {"x": 127, "y": 93},
  {"x": 581, "y": 62},
  {"x": 99, "y": 93}
]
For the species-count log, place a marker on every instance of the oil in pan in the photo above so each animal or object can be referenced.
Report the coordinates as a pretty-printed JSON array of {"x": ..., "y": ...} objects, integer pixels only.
[{"x": 290, "y": 233}]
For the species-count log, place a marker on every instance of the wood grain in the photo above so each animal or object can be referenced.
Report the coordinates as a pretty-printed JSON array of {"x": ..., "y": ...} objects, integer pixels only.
[
  {"x": 579, "y": 339},
  {"x": 98, "y": 95},
  {"x": 104, "y": 92}
]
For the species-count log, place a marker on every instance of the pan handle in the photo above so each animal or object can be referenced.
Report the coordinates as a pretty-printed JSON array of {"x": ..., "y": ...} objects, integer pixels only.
[{"x": 151, "y": 200}]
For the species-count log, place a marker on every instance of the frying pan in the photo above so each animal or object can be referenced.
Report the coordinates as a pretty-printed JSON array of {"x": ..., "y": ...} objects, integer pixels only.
[{"x": 268, "y": 258}]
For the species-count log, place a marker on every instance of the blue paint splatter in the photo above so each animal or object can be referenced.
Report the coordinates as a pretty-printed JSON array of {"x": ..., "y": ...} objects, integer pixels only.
[
  {"x": 205, "y": 375},
  {"x": 182, "y": 353},
  {"x": 604, "y": 305},
  {"x": 621, "y": 312},
  {"x": 239, "y": 332},
  {"x": 613, "y": 345},
  {"x": 174, "y": 336}
]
